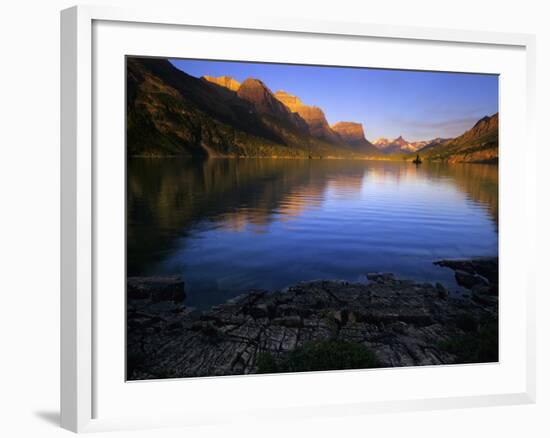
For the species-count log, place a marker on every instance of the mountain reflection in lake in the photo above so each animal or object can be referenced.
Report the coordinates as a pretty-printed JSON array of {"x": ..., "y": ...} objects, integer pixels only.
[{"x": 228, "y": 225}]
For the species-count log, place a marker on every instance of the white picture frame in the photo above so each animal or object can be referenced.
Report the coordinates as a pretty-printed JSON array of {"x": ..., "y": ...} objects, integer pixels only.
[{"x": 82, "y": 369}]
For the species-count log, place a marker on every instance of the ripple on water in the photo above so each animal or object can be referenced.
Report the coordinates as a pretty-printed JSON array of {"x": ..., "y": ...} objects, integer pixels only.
[{"x": 270, "y": 223}]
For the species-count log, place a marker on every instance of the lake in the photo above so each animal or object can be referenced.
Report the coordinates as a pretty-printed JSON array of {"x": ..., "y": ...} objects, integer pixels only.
[{"x": 231, "y": 225}]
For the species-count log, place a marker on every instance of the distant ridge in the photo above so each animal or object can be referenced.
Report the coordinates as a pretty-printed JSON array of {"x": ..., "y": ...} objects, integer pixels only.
[
  {"x": 224, "y": 81},
  {"x": 400, "y": 145},
  {"x": 478, "y": 144},
  {"x": 171, "y": 113}
]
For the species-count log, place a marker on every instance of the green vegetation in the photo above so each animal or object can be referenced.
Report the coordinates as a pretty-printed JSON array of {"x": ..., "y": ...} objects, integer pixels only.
[
  {"x": 320, "y": 356},
  {"x": 477, "y": 342},
  {"x": 170, "y": 113},
  {"x": 477, "y": 145},
  {"x": 481, "y": 149},
  {"x": 160, "y": 123}
]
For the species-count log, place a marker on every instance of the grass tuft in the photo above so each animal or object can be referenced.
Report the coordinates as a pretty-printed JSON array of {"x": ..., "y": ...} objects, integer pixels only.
[{"x": 320, "y": 356}]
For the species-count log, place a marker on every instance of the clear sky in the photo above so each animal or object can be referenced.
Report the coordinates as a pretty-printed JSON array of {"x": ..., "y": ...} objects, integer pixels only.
[{"x": 417, "y": 105}]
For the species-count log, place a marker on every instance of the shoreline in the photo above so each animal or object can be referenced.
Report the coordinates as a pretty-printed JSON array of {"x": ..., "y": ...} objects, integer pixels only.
[
  {"x": 232, "y": 157},
  {"x": 388, "y": 322}
]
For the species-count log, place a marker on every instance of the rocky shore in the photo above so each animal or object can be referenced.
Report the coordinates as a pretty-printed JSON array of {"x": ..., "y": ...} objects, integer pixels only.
[{"x": 316, "y": 325}]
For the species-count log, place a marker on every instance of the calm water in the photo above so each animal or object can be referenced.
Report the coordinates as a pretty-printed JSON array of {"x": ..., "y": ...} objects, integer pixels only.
[{"x": 228, "y": 226}]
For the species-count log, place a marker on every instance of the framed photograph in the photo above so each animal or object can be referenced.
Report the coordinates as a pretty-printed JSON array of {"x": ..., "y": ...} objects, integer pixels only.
[{"x": 266, "y": 218}]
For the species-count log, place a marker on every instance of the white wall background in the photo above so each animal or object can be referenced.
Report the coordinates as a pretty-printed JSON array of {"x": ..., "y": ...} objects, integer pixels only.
[{"x": 29, "y": 215}]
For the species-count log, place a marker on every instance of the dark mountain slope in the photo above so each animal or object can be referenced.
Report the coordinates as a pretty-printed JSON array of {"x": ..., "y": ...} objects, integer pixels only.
[
  {"x": 429, "y": 144},
  {"x": 172, "y": 113},
  {"x": 313, "y": 116},
  {"x": 213, "y": 99},
  {"x": 477, "y": 145},
  {"x": 266, "y": 104}
]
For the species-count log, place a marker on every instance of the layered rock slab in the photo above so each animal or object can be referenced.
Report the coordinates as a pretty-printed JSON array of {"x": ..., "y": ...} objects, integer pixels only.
[{"x": 402, "y": 322}]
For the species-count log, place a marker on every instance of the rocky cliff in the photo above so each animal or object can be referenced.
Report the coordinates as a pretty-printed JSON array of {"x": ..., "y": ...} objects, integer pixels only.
[
  {"x": 353, "y": 134},
  {"x": 483, "y": 126},
  {"x": 224, "y": 81},
  {"x": 313, "y": 326},
  {"x": 264, "y": 101},
  {"x": 350, "y": 132},
  {"x": 172, "y": 113},
  {"x": 313, "y": 116}
]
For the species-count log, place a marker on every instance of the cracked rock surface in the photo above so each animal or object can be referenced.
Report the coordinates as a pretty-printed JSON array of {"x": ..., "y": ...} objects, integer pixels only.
[{"x": 402, "y": 322}]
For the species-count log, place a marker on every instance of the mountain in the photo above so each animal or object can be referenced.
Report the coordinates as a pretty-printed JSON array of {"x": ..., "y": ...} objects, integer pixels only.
[
  {"x": 395, "y": 146},
  {"x": 171, "y": 113},
  {"x": 224, "y": 81},
  {"x": 353, "y": 134},
  {"x": 265, "y": 103},
  {"x": 401, "y": 146},
  {"x": 381, "y": 142},
  {"x": 477, "y": 145},
  {"x": 426, "y": 144},
  {"x": 350, "y": 132},
  {"x": 313, "y": 116},
  {"x": 406, "y": 146}
]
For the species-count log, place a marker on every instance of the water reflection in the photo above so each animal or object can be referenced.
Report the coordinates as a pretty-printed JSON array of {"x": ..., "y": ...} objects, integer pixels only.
[{"x": 229, "y": 225}]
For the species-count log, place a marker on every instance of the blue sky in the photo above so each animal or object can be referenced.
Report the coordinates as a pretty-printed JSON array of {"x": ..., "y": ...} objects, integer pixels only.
[{"x": 417, "y": 105}]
